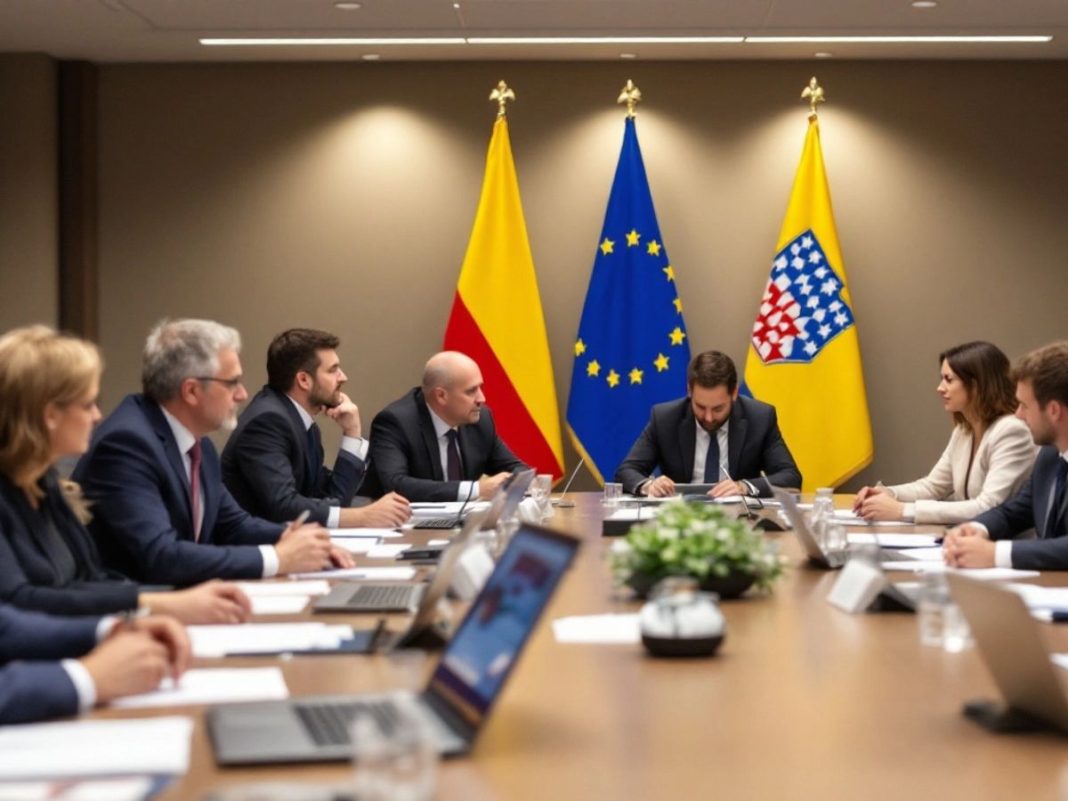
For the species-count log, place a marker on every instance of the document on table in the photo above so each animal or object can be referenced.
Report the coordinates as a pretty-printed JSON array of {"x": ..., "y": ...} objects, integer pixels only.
[
  {"x": 600, "y": 629},
  {"x": 213, "y": 685},
  {"x": 894, "y": 540},
  {"x": 90, "y": 748},
  {"x": 364, "y": 573},
  {"x": 260, "y": 638},
  {"x": 633, "y": 513},
  {"x": 387, "y": 551},
  {"x": 1037, "y": 597},
  {"x": 279, "y": 604},
  {"x": 355, "y": 544},
  {"x": 446, "y": 508},
  {"x": 133, "y": 788},
  {"x": 363, "y": 533},
  {"x": 259, "y": 589},
  {"x": 981, "y": 573},
  {"x": 1060, "y": 660},
  {"x": 847, "y": 517}
]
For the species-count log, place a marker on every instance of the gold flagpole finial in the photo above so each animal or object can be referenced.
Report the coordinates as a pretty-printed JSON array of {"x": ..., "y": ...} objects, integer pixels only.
[
  {"x": 631, "y": 95},
  {"x": 502, "y": 94},
  {"x": 813, "y": 93}
]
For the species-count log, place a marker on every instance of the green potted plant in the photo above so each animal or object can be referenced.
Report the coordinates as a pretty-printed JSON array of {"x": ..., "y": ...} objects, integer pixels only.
[{"x": 700, "y": 540}]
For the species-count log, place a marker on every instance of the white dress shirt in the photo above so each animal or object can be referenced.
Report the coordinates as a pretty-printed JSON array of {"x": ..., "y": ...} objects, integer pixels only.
[
  {"x": 1003, "y": 548},
  {"x": 468, "y": 489},
  {"x": 357, "y": 446},
  {"x": 84, "y": 686},
  {"x": 185, "y": 439}
]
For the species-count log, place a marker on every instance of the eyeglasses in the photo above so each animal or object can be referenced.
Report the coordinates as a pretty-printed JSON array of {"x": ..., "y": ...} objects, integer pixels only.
[{"x": 230, "y": 383}]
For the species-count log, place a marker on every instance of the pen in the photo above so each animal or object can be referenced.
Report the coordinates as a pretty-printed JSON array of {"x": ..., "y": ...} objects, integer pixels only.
[
  {"x": 376, "y": 635},
  {"x": 1058, "y": 615}
]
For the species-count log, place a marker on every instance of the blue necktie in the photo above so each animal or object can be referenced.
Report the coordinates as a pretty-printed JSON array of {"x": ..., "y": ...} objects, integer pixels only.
[
  {"x": 712, "y": 459},
  {"x": 1058, "y": 498}
]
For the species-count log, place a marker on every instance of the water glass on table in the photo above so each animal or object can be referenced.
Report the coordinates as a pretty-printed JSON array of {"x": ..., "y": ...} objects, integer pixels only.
[
  {"x": 541, "y": 490},
  {"x": 613, "y": 494},
  {"x": 395, "y": 760}
]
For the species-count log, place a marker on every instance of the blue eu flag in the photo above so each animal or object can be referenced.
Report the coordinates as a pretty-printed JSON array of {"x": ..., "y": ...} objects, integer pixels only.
[{"x": 632, "y": 349}]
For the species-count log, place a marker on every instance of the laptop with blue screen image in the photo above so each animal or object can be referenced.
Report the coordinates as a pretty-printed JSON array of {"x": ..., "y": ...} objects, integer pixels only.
[{"x": 457, "y": 700}]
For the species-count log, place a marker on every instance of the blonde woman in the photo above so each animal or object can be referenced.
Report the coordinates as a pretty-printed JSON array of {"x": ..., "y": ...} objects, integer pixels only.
[
  {"x": 989, "y": 455},
  {"x": 48, "y": 562}
]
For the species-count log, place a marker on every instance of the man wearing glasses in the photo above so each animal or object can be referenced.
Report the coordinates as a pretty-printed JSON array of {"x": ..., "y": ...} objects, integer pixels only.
[{"x": 161, "y": 514}]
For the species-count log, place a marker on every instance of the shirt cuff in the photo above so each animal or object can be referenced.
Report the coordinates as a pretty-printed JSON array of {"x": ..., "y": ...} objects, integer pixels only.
[
  {"x": 468, "y": 491},
  {"x": 82, "y": 681},
  {"x": 1003, "y": 553},
  {"x": 105, "y": 627},
  {"x": 333, "y": 517},
  {"x": 750, "y": 488},
  {"x": 270, "y": 560},
  {"x": 357, "y": 446},
  {"x": 908, "y": 512}
]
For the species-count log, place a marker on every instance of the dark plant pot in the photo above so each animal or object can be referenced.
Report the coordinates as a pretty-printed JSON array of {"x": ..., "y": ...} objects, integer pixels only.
[
  {"x": 682, "y": 646},
  {"x": 730, "y": 586}
]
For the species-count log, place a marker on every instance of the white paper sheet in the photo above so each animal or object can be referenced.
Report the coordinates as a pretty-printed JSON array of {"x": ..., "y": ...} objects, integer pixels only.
[
  {"x": 367, "y": 573},
  {"x": 597, "y": 629},
  {"x": 634, "y": 513},
  {"x": 982, "y": 573},
  {"x": 446, "y": 508},
  {"x": 259, "y": 589},
  {"x": 361, "y": 533},
  {"x": 926, "y": 554},
  {"x": 894, "y": 540},
  {"x": 213, "y": 685},
  {"x": 1037, "y": 597},
  {"x": 279, "y": 604},
  {"x": 846, "y": 517},
  {"x": 389, "y": 551},
  {"x": 355, "y": 544},
  {"x": 89, "y": 748},
  {"x": 133, "y": 788},
  {"x": 255, "y": 638}
]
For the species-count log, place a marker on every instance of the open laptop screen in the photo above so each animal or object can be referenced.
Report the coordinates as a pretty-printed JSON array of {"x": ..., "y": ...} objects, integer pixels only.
[{"x": 483, "y": 651}]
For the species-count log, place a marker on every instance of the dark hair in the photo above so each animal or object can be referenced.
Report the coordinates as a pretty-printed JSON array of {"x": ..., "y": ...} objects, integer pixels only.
[
  {"x": 712, "y": 369},
  {"x": 984, "y": 369},
  {"x": 1047, "y": 371},
  {"x": 294, "y": 351}
]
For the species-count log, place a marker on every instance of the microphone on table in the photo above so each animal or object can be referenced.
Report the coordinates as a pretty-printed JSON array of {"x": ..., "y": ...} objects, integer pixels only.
[{"x": 561, "y": 501}]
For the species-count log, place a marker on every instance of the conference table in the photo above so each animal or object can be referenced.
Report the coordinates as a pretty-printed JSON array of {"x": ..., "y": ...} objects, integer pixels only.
[{"x": 803, "y": 701}]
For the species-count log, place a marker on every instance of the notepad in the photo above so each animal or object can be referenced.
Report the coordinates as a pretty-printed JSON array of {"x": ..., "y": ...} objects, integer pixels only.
[
  {"x": 894, "y": 540},
  {"x": 363, "y": 573},
  {"x": 259, "y": 638},
  {"x": 600, "y": 629},
  {"x": 257, "y": 589},
  {"x": 980, "y": 573},
  {"x": 279, "y": 604},
  {"x": 133, "y": 788},
  {"x": 90, "y": 748},
  {"x": 213, "y": 685},
  {"x": 355, "y": 544}
]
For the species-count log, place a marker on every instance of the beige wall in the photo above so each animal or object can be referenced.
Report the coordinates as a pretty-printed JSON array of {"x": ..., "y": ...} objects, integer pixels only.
[
  {"x": 27, "y": 191},
  {"x": 342, "y": 196}
]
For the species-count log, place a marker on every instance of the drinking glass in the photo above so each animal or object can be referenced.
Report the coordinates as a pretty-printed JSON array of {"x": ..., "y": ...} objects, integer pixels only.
[{"x": 395, "y": 760}]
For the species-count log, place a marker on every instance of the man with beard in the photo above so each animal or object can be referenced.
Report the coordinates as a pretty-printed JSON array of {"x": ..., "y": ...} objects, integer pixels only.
[
  {"x": 273, "y": 462},
  {"x": 998, "y": 537},
  {"x": 161, "y": 514},
  {"x": 712, "y": 436}
]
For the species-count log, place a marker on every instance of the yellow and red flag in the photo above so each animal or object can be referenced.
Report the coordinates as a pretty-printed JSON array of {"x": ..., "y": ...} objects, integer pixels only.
[{"x": 497, "y": 318}]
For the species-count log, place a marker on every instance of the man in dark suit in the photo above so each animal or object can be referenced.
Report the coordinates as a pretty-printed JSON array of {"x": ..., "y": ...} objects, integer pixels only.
[
  {"x": 438, "y": 442},
  {"x": 712, "y": 436},
  {"x": 273, "y": 462},
  {"x": 991, "y": 540},
  {"x": 132, "y": 658},
  {"x": 160, "y": 511}
]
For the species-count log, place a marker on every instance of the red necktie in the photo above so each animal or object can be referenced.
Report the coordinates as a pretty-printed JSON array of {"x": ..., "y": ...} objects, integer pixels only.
[{"x": 194, "y": 488}]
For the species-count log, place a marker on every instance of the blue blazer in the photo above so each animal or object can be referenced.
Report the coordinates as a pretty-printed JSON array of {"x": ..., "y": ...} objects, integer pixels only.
[
  {"x": 1030, "y": 508},
  {"x": 28, "y": 574},
  {"x": 267, "y": 468},
  {"x": 39, "y": 689},
  {"x": 142, "y": 522},
  {"x": 754, "y": 444}
]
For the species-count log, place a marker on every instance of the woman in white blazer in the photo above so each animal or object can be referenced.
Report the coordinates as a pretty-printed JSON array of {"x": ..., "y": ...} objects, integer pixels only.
[{"x": 989, "y": 455}]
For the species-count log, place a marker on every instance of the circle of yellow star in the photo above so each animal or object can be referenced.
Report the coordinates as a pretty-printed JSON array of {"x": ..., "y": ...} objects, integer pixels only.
[
  {"x": 653, "y": 248},
  {"x": 669, "y": 271},
  {"x": 607, "y": 245},
  {"x": 677, "y": 336},
  {"x": 580, "y": 348},
  {"x": 612, "y": 379},
  {"x": 678, "y": 305},
  {"x": 636, "y": 376},
  {"x": 593, "y": 368},
  {"x": 632, "y": 238},
  {"x": 661, "y": 362}
]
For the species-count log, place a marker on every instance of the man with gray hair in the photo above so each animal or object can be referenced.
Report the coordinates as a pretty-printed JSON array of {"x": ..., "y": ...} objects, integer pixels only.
[
  {"x": 438, "y": 442},
  {"x": 161, "y": 514}
]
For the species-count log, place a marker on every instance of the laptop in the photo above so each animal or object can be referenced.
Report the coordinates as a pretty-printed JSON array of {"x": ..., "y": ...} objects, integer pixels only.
[
  {"x": 519, "y": 477},
  {"x": 458, "y": 698},
  {"x": 1035, "y": 690},
  {"x": 349, "y": 596},
  {"x": 831, "y": 560}
]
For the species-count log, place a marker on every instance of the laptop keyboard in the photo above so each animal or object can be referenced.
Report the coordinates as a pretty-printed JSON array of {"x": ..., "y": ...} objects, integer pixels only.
[
  {"x": 438, "y": 523},
  {"x": 384, "y": 596},
  {"x": 330, "y": 724}
]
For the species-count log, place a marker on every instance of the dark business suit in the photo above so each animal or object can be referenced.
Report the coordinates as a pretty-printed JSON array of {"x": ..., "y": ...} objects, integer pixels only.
[
  {"x": 1030, "y": 508},
  {"x": 754, "y": 444},
  {"x": 142, "y": 520},
  {"x": 31, "y": 575},
  {"x": 34, "y": 690},
  {"x": 267, "y": 467},
  {"x": 405, "y": 457}
]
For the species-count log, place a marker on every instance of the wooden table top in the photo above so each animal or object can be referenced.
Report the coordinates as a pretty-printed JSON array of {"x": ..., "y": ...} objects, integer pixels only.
[{"x": 802, "y": 702}]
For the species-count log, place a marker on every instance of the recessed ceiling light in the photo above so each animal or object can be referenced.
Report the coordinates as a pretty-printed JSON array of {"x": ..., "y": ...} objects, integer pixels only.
[
  {"x": 823, "y": 54},
  {"x": 628, "y": 55},
  {"x": 370, "y": 56},
  {"x": 348, "y": 6},
  {"x": 924, "y": 4},
  {"x": 455, "y": 5}
]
